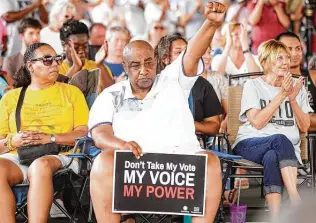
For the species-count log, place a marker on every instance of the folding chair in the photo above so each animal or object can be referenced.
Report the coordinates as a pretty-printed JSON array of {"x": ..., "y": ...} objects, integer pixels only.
[
  {"x": 234, "y": 101},
  {"x": 62, "y": 180}
]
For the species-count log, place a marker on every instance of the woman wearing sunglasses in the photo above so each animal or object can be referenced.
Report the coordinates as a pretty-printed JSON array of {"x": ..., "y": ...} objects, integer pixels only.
[{"x": 52, "y": 112}]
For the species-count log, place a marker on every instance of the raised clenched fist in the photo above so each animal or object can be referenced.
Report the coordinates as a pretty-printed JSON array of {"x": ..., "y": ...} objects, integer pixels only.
[{"x": 215, "y": 12}]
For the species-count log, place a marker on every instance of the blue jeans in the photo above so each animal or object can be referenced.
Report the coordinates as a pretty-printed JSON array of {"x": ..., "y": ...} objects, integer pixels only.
[{"x": 274, "y": 153}]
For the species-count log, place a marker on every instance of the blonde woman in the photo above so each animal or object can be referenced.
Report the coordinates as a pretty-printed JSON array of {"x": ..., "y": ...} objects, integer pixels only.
[
  {"x": 274, "y": 109},
  {"x": 236, "y": 57}
]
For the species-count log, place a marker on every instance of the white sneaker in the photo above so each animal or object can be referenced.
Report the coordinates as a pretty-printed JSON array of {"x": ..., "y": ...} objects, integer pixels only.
[{"x": 55, "y": 212}]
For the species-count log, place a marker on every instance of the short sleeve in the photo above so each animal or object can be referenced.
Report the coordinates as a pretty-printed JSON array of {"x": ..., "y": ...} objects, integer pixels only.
[
  {"x": 152, "y": 13},
  {"x": 210, "y": 98},
  {"x": 249, "y": 100},
  {"x": 6, "y": 6},
  {"x": 81, "y": 111},
  {"x": 303, "y": 101},
  {"x": 175, "y": 72},
  {"x": 4, "y": 117},
  {"x": 102, "y": 111}
]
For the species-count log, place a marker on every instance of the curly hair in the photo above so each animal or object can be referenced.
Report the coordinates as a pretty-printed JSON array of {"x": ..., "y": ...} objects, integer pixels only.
[
  {"x": 22, "y": 78},
  {"x": 72, "y": 27},
  {"x": 163, "y": 50}
]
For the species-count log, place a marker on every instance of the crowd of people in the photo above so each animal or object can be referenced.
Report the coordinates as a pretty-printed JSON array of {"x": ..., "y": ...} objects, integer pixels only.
[{"x": 152, "y": 56}]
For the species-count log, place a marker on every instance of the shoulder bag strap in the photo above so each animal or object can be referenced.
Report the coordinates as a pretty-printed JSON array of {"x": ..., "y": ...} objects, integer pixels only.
[{"x": 18, "y": 109}]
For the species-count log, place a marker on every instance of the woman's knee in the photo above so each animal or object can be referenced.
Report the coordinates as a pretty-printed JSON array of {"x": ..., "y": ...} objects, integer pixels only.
[
  {"x": 42, "y": 167},
  {"x": 10, "y": 173},
  {"x": 213, "y": 162},
  {"x": 103, "y": 165},
  {"x": 281, "y": 141}
]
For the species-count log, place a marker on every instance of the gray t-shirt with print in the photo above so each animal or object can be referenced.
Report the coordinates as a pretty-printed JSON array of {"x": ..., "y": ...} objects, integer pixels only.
[{"x": 258, "y": 94}]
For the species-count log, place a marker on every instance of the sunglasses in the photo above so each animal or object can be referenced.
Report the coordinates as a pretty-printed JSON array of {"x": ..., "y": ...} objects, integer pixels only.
[
  {"x": 48, "y": 60},
  {"x": 159, "y": 27}
]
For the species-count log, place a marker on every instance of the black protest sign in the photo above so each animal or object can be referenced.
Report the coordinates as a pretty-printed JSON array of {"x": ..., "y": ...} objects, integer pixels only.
[{"x": 159, "y": 183}]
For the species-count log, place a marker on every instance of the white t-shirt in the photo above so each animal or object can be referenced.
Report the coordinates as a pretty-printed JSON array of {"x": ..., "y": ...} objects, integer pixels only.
[
  {"x": 153, "y": 13},
  {"x": 14, "y": 43},
  {"x": 104, "y": 14},
  {"x": 186, "y": 7},
  {"x": 52, "y": 38},
  {"x": 162, "y": 122},
  {"x": 231, "y": 68},
  {"x": 257, "y": 94}
]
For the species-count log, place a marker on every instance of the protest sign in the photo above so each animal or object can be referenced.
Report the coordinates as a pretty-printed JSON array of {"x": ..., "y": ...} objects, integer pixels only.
[{"x": 159, "y": 183}]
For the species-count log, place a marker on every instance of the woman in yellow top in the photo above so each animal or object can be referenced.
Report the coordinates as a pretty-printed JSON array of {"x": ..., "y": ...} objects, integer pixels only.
[
  {"x": 52, "y": 112},
  {"x": 74, "y": 36}
]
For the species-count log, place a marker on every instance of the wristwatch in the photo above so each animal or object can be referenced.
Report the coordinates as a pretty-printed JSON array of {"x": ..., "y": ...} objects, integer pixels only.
[
  {"x": 246, "y": 51},
  {"x": 5, "y": 143},
  {"x": 52, "y": 138}
]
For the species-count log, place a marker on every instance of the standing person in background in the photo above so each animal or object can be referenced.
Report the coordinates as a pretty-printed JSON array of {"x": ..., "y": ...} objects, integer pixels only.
[
  {"x": 12, "y": 11},
  {"x": 61, "y": 11},
  {"x": 74, "y": 36},
  {"x": 29, "y": 33},
  {"x": 107, "y": 12},
  {"x": 97, "y": 33},
  {"x": 156, "y": 31},
  {"x": 117, "y": 38},
  {"x": 192, "y": 16},
  {"x": 268, "y": 19}
]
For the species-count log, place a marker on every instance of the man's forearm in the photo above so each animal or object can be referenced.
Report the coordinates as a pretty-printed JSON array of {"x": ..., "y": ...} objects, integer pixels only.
[
  {"x": 106, "y": 141},
  {"x": 43, "y": 14},
  {"x": 197, "y": 46},
  {"x": 207, "y": 128},
  {"x": 18, "y": 15},
  {"x": 312, "y": 127}
]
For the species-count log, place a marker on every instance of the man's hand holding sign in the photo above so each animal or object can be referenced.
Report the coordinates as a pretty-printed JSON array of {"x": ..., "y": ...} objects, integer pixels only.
[{"x": 146, "y": 114}]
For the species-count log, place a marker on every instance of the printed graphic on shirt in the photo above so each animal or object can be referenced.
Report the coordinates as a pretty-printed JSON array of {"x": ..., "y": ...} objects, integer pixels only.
[
  {"x": 23, "y": 4},
  {"x": 284, "y": 116}
]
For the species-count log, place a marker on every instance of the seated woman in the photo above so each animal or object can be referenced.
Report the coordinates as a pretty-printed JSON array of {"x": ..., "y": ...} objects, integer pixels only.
[
  {"x": 52, "y": 112},
  {"x": 274, "y": 109}
]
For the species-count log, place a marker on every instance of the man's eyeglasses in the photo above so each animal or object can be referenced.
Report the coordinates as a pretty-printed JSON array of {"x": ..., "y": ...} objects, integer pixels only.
[{"x": 48, "y": 60}]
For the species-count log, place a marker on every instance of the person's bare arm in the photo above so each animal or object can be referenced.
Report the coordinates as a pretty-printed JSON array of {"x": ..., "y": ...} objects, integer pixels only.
[
  {"x": 260, "y": 118},
  {"x": 35, "y": 138},
  {"x": 255, "y": 15},
  {"x": 13, "y": 16},
  {"x": 249, "y": 59},
  {"x": 312, "y": 127},
  {"x": 222, "y": 61},
  {"x": 103, "y": 136},
  {"x": 302, "y": 119},
  {"x": 282, "y": 16},
  {"x": 43, "y": 14},
  {"x": 214, "y": 12},
  {"x": 187, "y": 17},
  {"x": 209, "y": 126}
]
